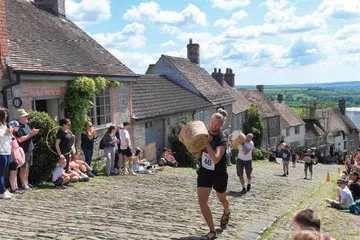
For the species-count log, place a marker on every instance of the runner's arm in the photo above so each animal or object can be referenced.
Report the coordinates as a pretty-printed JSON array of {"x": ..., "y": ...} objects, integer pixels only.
[{"x": 215, "y": 156}]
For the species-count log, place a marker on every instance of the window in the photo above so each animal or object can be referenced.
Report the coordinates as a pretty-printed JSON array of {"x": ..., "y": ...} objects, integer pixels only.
[
  {"x": 272, "y": 141},
  {"x": 272, "y": 122},
  {"x": 100, "y": 114},
  {"x": 200, "y": 115},
  {"x": 50, "y": 105},
  {"x": 297, "y": 129},
  {"x": 288, "y": 132},
  {"x": 351, "y": 144},
  {"x": 345, "y": 145},
  {"x": 148, "y": 125}
]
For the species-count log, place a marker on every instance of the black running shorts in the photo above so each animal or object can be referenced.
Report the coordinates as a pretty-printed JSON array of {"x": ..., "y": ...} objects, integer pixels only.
[{"x": 212, "y": 179}]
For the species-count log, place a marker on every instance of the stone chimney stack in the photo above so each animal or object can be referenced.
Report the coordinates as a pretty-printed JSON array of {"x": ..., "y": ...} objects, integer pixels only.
[
  {"x": 219, "y": 77},
  {"x": 280, "y": 98},
  {"x": 229, "y": 77},
  {"x": 56, "y": 7},
  {"x": 342, "y": 105},
  {"x": 260, "y": 88},
  {"x": 193, "y": 52}
]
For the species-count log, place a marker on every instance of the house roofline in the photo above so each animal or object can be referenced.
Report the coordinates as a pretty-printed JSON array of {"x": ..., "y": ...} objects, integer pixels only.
[{"x": 26, "y": 75}]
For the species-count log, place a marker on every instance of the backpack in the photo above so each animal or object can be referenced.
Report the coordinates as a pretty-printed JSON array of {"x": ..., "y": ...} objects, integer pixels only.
[
  {"x": 355, "y": 207},
  {"x": 102, "y": 144}
]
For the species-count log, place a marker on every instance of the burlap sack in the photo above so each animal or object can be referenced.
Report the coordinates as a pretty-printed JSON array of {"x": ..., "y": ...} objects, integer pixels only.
[
  {"x": 194, "y": 136},
  {"x": 236, "y": 138}
]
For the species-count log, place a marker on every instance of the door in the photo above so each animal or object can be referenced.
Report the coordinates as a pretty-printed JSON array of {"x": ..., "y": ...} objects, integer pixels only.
[
  {"x": 50, "y": 105},
  {"x": 154, "y": 132}
]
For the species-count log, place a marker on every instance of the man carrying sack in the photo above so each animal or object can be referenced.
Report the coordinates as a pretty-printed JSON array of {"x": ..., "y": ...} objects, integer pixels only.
[
  {"x": 244, "y": 161},
  {"x": 212, "y": 173}
]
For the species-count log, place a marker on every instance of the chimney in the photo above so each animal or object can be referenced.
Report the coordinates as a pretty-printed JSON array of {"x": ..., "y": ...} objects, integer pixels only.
[
  {"x": 342, "y": 105},
  {"x": 193, "y": 52},
  {"x": 3, "y": 42},
  {"x": 260, "y": 88},
  {"x": 280, "y": 98},
  {"x": 56, "y": 7},
  {"x": 219, "y": 77},
  {"x": 229, "y": 77}
]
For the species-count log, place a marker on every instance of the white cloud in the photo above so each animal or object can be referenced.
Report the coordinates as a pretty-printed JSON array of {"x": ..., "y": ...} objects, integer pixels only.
[
  {"x": 88, "y": 11},
  {"x": 348, "y": 31},
  {"x": 151, "y": 11},
  {"x": 343, "y": 9},
  {"x": 251, "y": 31},
  {"x": 130, "y": 37},
  {"x": 137, "y": 62},
  {"x": 305, "y": 52},
  {"x": 168, "y": 43},
  {"x": 229, "y": 5},
  {"x": 240, "y": 15},
  {"x": 224, "y": 23}
]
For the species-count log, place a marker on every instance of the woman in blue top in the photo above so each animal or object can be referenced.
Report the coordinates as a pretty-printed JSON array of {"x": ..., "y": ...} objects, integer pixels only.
[{"x": 212, "y": 172}]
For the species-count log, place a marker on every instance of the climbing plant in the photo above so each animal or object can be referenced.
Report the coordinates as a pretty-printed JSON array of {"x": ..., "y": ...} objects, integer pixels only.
[{"x": 79, "y": 97}]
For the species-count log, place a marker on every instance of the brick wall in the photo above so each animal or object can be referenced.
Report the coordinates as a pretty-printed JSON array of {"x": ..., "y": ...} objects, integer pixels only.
[{"x": 3, "y": 41}]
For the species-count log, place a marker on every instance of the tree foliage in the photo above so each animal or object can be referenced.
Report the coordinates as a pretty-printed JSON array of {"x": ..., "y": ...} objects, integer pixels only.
[
  {"x": 253, "y": 124},
  {"x": 44, "y": 160},
  {"x": 79, "y": 98},
  {"x": 182, "y": 155}
]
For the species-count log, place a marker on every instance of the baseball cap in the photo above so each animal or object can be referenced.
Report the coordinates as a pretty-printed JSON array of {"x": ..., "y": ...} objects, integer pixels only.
[{"x": 14, "y": 124}]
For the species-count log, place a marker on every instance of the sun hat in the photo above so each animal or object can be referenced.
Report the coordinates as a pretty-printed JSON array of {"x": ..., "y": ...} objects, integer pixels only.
[{"x": 21, "y": 113}]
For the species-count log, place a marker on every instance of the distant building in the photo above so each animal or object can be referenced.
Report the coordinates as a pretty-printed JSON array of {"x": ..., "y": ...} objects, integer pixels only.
[
  {"x": 354, "y": 115},
  {"x": 269, "y": 114},
  {"x": 292, "y": 126}
]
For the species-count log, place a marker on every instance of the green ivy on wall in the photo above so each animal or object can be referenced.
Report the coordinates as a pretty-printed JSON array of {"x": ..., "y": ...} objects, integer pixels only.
[{"x": 79, "y": 96}]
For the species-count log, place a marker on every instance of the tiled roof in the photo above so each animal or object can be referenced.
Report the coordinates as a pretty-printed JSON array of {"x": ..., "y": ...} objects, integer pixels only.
[
  {"x": 201, "y": 80},
  {"x": 265, "y": 106},
  {"x": 313, "y": 126},
  {"x": 287, "y": 116},
  {"x": 40, "y": 42},
  {"x": 241, "y": 104},
  {"x": 338, "y": 122},
  {"x": 156, "y": 96}
]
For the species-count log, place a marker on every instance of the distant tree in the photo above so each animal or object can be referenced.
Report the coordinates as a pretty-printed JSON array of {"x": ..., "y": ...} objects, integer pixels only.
[{"x": 254, "y": 124}]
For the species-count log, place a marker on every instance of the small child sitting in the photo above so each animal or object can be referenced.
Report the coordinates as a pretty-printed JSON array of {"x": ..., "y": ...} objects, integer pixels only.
[
  {"x": 168, "y": 158},
  {"x": 60, "y": 178},
  {"x": 140, "y": 166},
  {"x": 79, "y": 165},
  {"x": 344, "y": 196}
]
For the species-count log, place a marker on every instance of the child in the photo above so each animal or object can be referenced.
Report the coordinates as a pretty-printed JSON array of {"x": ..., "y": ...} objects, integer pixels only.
[
  {"x": 140, "y": 166},
  {"x": 17, "y": 160},
  {"x": 78, "y": 164},
  {"x": 285, "y": 155},
  {"x": 308, "y": 164},
  {"x": 293, "y": 158},
  {"x": 60, "y": 178},
  {"x": 344, "y": 196}
]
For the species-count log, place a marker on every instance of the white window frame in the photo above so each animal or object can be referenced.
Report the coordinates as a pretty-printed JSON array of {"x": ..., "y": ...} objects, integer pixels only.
[
  {"x": 200, "y": 115},
  {"x": 109, "y": 116},
  {"x": 297, "y": 129},
  {"x": 272, "y": 122},
  {"x": 345, "y": 143}
]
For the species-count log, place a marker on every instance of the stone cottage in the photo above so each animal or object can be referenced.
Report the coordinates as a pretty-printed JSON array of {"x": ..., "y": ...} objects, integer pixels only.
[
  {"x": 158, "y": 105},
  {"x": 339, "y": 127},
  {"x": 292, "y": 127},
  {"x": 187, "y": 73},
  {"x": 41, "y": 50},
  {"x": 241, "y": 105},
  {"x": 269, "y": 114}
]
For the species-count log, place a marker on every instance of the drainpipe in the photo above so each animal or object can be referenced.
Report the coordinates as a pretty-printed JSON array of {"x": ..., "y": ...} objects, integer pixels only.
[{"x": 9, "y": 85}]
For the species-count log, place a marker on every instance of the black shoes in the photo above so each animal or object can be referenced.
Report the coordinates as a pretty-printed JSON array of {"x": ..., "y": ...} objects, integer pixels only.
[
  {"x": 243, "y": 191},
  {"x": 248, "y": 187}
]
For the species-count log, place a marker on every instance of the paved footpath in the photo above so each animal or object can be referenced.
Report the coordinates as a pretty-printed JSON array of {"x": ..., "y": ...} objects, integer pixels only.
[{"x": 160, "y": 206}]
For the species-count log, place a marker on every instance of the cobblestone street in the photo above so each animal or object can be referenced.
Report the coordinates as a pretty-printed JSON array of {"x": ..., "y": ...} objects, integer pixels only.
[{"x": 160, "y": 206}]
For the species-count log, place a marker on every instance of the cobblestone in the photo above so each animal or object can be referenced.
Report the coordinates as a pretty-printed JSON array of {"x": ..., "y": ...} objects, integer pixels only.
[{"x": 160, "y": 206}]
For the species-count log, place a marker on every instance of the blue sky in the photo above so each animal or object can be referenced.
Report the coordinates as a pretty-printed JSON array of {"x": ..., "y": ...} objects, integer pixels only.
[{"x": 263, "y": 41}]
